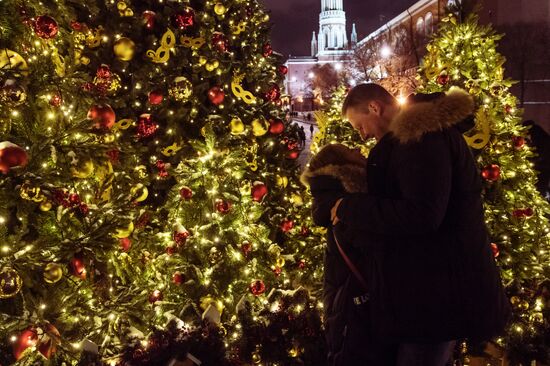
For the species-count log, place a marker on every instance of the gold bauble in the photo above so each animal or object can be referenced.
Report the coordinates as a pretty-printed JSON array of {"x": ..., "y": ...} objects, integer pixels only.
[
  {"x": 10, "y": 283},
  {"x": 282, "y": 181},
  {"x": 181, "y": 89},
  {"x": 84, "y": 169},
  {"x": 280, "y": 262},
  {"x": 53, "y": 272},
  {"x": 121, "y": 5},
  {"x": 124, "y": 49},
  {"x": 237, "y": 126},
  {"x": 297, "y": 199},
  {"x": 211, "y": 66},
  {"x": 45, "y": 206},
  {"x": 139, "y": 192},
  {"x": 259, "y": 127},
  {"x": 256, "y": 357},
  {"x": 220, "y": 9},
  {"x": 202, "y": 60}
]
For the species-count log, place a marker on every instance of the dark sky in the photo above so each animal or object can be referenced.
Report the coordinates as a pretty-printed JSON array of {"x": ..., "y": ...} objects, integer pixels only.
[{"x": 294, "y": 20}]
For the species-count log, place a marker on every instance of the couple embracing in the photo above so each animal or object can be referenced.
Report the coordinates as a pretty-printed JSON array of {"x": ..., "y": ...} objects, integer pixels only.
[{"x": 409, "y": 269}]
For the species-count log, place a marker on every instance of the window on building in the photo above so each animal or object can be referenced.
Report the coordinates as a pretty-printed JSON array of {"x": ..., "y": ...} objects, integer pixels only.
[
  {"x": 420, "y": 26},
  {"x": 429, "y": 23}
]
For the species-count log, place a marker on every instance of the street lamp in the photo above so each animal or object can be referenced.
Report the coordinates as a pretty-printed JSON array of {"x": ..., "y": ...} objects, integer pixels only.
[
  {"x": 338, "y": 67},
  {"x": 311, "y": 75},
  {"x": 385, "y": 51}
]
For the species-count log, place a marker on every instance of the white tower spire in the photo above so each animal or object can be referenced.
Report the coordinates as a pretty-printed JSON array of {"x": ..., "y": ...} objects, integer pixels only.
[
  {"x": 353, "y": 36},
  {"x": 313, "y": 45},
  {"x": 332, "y": 27}
]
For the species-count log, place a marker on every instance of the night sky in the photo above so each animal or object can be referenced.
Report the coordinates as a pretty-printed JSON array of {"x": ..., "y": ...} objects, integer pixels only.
[{"x": 294, "y": 20}]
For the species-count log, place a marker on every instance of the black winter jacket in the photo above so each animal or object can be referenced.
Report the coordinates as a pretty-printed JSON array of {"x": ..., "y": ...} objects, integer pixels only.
[{"x": 435, "y": 275}]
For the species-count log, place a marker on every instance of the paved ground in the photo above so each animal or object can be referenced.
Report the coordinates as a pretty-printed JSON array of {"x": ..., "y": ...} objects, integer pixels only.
[{"x": 304, "y": 156}]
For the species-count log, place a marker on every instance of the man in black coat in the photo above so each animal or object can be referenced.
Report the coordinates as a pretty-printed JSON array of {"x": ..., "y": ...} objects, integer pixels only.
[{"x": 435, "y": 278}]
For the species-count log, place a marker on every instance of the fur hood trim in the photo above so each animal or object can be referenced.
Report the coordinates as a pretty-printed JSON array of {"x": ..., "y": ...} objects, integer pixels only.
[
  {"x": 417, "y": 119},
  {"x": 352, "y": 177}
]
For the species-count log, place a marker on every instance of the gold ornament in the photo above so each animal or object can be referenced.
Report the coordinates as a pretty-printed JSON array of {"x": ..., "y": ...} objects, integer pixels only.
[
  {"x": 181, "y": 89},
  {"x": 237, "y": 126},
  {"x": 94, "y": 36},
  {"x": 296, "y": 199},
  {"x": 53, "y": 272},
  {"x": 124, "y": 49},
  {"x": 10, "y": 283},
  {"x": 139, "y": 192},
  {"x": 282, "y": 181},
  {"x": 59, "y": 62},
  {"x": 162, "y": 54},
  {"x": 171, "y": 150},
  {"x": 124, "y": 124},
  {"x": 208, "y": 300},
  {"x": 479, "y": 139},
  {"x": 202, "y": 60},
  {"x": 256, "y": 357},
  {"x": 121, "y": 6},
  {"x": 45, "y": 206},
  {"x": 239, "y": 92},
  {"x": 280, "y": 262},
  {"x": 190, "y": 42},
  {"x": 12, "y": 61},
  {"x": 122, "y": 233},
  {"x": 211, "y": 66},
  {"x": 259, "y": 127},
  {"x": 31, "y": 193},
  {"x": 220, "y": 9},
  {"x": 239, "y": 28},
  {"x": 84, "y": 169}
]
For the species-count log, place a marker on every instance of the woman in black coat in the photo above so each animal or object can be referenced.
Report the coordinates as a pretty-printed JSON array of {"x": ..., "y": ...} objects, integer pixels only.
[{"x": 333, "y": 172}]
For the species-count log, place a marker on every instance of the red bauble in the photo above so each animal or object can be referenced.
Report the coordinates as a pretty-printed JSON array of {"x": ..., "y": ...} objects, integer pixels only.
[
  {"x": 146, "y": 126},
  {"x": 302, "y": 264},
  {"x": 277, "y": 271},
  {"x": 103, "y": 72},
  {"x": 287, "y": 225},
  {"x": 46, "y": 27},
  {"x": 171, "y": 250},
  {"x": 491, "y": 173},
  {"x": 155, "y": 97},
  {"x": 283, "y": 69},
  {"x": 76, "y": 25},
  {"x": 149, "y": 19},
  {"x": 304, "y": 231},
  {"x": 180, "y": 235},
  {"x": 443, "y": 79},
  {"x": 220, "y": 42},
  {"x": 267, "y": 50},
  {"x": 125, "y": 244},
  {"x": 216, "y": 95},
  {"x": 155, "y": 296},
  {"x": 103, "y": 116},
  {"x": 257, "y": 287},
  {"x": 11, "y": 155},
  {"x": 178, "y": 278},
  {"x": 273, "y": 94},
  {"x": 528, "y": 212},
  {"x": 77, "y": 267},
  {"x": 56, "y": 100},
  {"x": 293, "y": 155},
  {"x": 518, "y": 142},
  {"x": 495, "y": 250},
  {"x": 184, "y": 18},
  {"x": 292, "y": 144},
  {"x": 508, "y": 109},
  {"x": 523, "y": 212},
  {"x": 222, "y": 206},
  {"x": 186, "y": 193},
  {"x": 84, "y": 209},
  {"x": 27, "y": 338},
  {"x": 246, "y": 248},
  {"x": 276, "y": 126},
  {"x": 259, "y": 190},
  {"x": 74, "y": 199}
]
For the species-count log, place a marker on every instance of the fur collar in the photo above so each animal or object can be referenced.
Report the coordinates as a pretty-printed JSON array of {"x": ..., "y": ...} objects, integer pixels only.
[
  {"x": 352, "y": 177},
  {"x": 417, "y": 119}
]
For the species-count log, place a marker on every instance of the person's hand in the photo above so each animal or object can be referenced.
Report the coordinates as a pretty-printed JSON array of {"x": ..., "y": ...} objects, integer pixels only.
[{"x": 333, "y": 212}]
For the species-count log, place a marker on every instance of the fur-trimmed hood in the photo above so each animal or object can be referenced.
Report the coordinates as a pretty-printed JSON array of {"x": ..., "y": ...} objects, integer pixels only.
[
  {"x": 418, "y": 118},
  {"x": 352, "y": 177}
]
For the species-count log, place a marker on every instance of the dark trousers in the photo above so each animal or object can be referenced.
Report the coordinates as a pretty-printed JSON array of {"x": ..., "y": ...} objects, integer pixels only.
[{"x": 407, "y": 354}]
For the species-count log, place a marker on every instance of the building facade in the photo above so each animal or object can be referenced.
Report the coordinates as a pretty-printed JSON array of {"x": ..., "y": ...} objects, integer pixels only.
[{"x": 330, "y": 45}]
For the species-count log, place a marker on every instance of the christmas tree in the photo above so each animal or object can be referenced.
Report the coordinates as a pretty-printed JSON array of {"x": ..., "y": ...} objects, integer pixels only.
[
  {"x": 332, "y": 127},
  {"x": 150, "y": 203},
  {"x": 465, "y": 55}
]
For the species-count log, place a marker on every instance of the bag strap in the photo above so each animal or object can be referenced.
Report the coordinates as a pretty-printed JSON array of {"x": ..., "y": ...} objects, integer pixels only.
[{"x": 350, "y": 264}]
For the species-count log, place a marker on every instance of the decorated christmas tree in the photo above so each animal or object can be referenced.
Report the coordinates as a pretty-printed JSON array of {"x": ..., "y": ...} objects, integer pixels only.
[
  {"x": 465, "y": 55},
  {"x": 332, "y": 128},
  {"x": 150, "y": 206}
]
